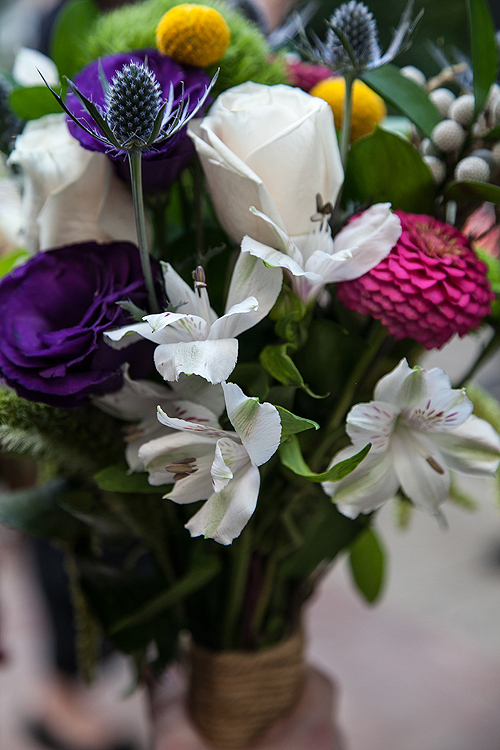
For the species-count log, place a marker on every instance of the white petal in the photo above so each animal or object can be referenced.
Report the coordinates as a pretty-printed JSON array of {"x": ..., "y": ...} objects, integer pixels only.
[
  {"x": 251, "y": 278},
  {"x": 472, "y": 448},
  {"x": 329, "y": 267},
  {"x": 258, "y": 425},
  {"x": 178, "y": 292},
  {"x": 235, "y": 320},
  {"x": 213, "y": 360},
  {"x": 270, "y": 256},
  {"x": 191, "y": 427},
  {"x": 169, "y": 327},
  {"x": 226, "y": 513},
  {"x": 444, "y": 410},
  {"x": 373, "y": 423},
  {"x": 134, "y": 399},
  {"x": 230, "y": 457},
  {"x": 156, "y": 454},
  {"x": 426, "y": 483},
  {"x": 388, "y": 387},
  {"x": 195, "y": 487},
  {"x": 221, "y": 473},
  {"x": 370, "y": 237},
  {"x": 123, "y": 337},
  {"x": 365, "y": 489},
  {"x": 28, "y": 62},
  {"x": 196, "y": 389},
  {"x": 287, "y": 245}
]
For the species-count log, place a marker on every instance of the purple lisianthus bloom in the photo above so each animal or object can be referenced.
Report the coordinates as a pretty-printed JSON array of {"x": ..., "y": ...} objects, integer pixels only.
[
  {"x": 163, "y": 163},
  {"x": 53, "y": 311}
]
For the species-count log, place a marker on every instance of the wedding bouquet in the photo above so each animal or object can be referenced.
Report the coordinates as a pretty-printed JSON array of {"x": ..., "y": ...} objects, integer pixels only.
[{"x": 211, "y": 327}]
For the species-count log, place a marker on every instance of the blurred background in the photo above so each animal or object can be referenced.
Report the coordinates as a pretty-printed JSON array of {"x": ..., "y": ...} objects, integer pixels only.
[{"x": 420, "y": 670}]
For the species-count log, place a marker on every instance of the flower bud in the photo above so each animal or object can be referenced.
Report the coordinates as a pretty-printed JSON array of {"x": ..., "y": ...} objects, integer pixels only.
[
  {"x": 437, "y": 167},
  {"x": 462, "y": 110},
  {"x": 414, "y": 74},
  {"x": 442, "y": 100},
  {"x": 448, "y": 136},
  {"x": 472, "y": 168},
  {"x": 133, "y": 102},
  {"x": 357, "y": 23}
]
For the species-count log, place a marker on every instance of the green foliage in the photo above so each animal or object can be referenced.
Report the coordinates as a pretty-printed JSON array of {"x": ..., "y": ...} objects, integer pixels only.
[
  {"x": 367, "y": 563},
  {"x": 484, "y": 51},
  {"x": 324, "y": 534},
  {"x": 405, "y": 96},
  {"x": 473, "y": 191},
  {"x": 36, "y": 511},
  {"x": 133, "y": 27},
  {"x": 12, "y": 260},
  {"x": 80, "y": 440},
  {"x": 118, "y": 479},
  {"x": 291, "y": 424},
  {"x": 88, "y": 631},
  {"x": 461, "y": 498},
  {"x": 275, "y": 359},
  {"x": 70, "y": 32},
  {"x": 384, "y": 167},
  {"x": 291, "y": 457},
  {"x": 32, "y": 102},
  {"x": 486, "y": 406}
]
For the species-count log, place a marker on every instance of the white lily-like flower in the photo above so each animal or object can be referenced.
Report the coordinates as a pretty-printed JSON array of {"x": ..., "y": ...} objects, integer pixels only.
[
  {"x": 191, "y": 399},
  {"x": 419, "y": 428},
  {"x": 196, "y": 341},
  {"x": 221, "y": 467},
  {"x": 316, "y": 259}
]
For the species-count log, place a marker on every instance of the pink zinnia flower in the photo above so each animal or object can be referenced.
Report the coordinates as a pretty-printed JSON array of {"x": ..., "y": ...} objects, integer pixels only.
[
  {"x": 306, "y": 75},
  {"x": 429, "y": 287}
]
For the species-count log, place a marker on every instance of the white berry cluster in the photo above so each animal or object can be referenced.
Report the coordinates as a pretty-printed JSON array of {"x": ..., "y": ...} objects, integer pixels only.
[{"x": 444, "y": 152}]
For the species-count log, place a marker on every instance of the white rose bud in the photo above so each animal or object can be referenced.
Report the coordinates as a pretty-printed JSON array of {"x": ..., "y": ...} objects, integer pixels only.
[
  {"x": 487, "y": 155},
  {"x": 462, "y": 110},
  {"x": 442, "y": 100},
  {"x": 437, "y": 167},
  {"x": 496, "y": 153},
  {"x": 448, "y": 136},
  {"x": 414, "y": 74},
  {"x": 472, "y": 168},
  {"x": 427, "y": 148}
]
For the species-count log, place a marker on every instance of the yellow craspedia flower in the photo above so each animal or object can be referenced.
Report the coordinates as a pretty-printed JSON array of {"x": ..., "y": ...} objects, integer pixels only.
[
  {"x": 368, "y": 108},
  {"x": 193, "y": 35}
]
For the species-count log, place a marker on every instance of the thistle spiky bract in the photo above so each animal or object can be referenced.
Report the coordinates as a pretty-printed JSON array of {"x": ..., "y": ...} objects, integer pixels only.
[
  {"x": 360, "y": 29},
  {"x": 133, "y": 101}
]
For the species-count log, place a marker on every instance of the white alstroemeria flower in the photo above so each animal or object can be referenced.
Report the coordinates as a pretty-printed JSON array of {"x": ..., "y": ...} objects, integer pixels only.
[
  {"x": 207, "y": 463},
  {"x": 316, "y": 259},
  {"x": 419, "y": 429},
  {"x": 191, "y": 399},
  {"x": 195, "y": 341}
]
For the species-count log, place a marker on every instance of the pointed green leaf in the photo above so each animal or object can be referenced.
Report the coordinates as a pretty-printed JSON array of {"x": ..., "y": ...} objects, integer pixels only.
[
  {"x": 12, "y": 260},
  {"x": 279, "y": 364},
  {"x": 291, "y": 457},
  {"x": 291, "y": 424},
  {"x": 484, "y": 51},
  {"x": 405, "y": 96},
  {"x": 367, "y": 563},
  {"x": 117, "y": 479},
  {"x": 385, "y": 167}
]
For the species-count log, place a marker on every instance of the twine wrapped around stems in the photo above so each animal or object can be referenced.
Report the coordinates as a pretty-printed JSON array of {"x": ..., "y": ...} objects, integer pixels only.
[{"x": 235, "y": 696}]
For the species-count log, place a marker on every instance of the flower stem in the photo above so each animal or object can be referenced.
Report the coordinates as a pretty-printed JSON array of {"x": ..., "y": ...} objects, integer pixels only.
[
  {"x": 345, "y": 131},
  {"x": 239, "y": 573},
  {"x": 135, "y": 162}
]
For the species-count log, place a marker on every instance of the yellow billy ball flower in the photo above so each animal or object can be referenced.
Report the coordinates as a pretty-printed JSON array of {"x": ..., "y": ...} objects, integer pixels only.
[
  {"x": 368, "y": 109},
  {"x": 193, "y": 35}
]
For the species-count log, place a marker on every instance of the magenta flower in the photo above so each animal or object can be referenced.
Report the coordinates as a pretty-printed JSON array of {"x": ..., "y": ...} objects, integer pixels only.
[{"x": 430, "y": 286}]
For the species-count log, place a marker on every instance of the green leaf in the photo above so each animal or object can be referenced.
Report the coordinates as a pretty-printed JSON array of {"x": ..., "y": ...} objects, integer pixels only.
[
  {"x": 204, "y": 569},
  {"x": 70, "y": 32},
  {"x": 12, "y": 260},
  {"x": 291, "y": 457},
  {"x": 385, "y": 167},
  {"x": 291, "y": 424},
  {"x": 324, "y": 535},
  {"x": 367, "y": 563},
  {"x": 33, "y": 102},
  {"x": 486, "y": 406},
  {"x": 36, "y": 511},
  {"x": 472, "y": 190},
  {"x": 405, "y": 96},
  {"x": 484, "y": 52},
  {"x": 117, "y": 479},
  {"x": 458, "y": 496},
  {"x": 252, "y": 379},
  {"x": 278, "y": 363}
]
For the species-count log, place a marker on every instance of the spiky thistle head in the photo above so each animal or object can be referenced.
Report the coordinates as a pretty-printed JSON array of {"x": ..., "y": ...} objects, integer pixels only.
[
  {"x": 359, "y": 28},
  {"x": 133, "y": 101}
]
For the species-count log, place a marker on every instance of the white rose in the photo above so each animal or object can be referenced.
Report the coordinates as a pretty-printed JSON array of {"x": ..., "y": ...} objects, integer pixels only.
[
  {"x": 272, "y": 147},
  {"x": 70, "y": 194}
]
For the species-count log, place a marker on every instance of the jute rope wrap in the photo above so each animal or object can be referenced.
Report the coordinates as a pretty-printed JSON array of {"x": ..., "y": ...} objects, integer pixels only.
[{"x": 236, "y": 695}]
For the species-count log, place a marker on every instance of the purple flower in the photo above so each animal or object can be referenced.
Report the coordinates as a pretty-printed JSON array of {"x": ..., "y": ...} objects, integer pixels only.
[
  {"x": 53, "y": 311},
  {"x": 166, "y": 160}
]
